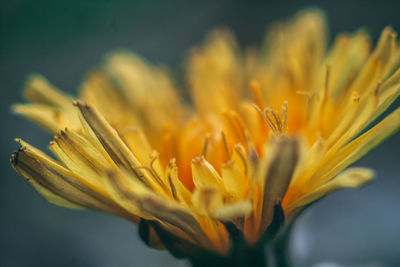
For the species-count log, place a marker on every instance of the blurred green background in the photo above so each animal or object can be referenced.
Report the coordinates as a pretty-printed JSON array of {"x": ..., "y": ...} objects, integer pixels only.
[{"x": 63, "y": 39}]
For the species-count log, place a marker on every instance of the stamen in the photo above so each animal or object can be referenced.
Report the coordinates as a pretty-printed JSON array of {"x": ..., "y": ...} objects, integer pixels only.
[
  {"x": 167, "y": 145},
  {"x": 225, "y": 142},
  {"x": 376, "y": 93},
  {"x": 277, "y": 124},
  {"x": 141, "y": 176},
  {"x": 154, "y": 156},
  {"x": 257, "y": 95},
  {"x": 262, "y": 113},
  {"x": 205, "y": 146},
  {"x": 239, "y": 150},
  {"x": 355, "y": 96},
  {"x": 326, "y": 84},
  {"x": 58, "y": 116},
  {"x": 350, "y": 78},
  {"x": 240, "y": 125},
  {"x": 173, "y": 189},
  {"x": 251, "y": 150},
  {"x": 393, "y": 42},
  {"x": 309, "y": 95},
  {"x": 325, "y": 95},
  {"x": 237, "y": 125},
  {"x": 285, "y": 116}
]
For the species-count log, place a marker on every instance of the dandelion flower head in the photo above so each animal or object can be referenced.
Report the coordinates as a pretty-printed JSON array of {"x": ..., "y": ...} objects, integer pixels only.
[{"x": 267, "y": 132}]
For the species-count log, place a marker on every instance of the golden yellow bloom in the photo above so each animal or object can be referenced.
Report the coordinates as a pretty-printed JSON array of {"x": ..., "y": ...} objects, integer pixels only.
[{"x": 270, "y": 131}]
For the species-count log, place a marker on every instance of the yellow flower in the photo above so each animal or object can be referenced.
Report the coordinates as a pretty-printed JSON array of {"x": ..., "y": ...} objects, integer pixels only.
[{"x": 270, "y": 131}]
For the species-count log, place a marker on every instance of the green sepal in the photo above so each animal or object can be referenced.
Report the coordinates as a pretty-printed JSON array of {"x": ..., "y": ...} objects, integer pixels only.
[
  {"x": 278, "y": 221},
  {"x": 178, "y": 247},
  {"x": 151, "y": 240},
  {"x": 144, "y": 232},
  {"x": 240, "y": 253}
]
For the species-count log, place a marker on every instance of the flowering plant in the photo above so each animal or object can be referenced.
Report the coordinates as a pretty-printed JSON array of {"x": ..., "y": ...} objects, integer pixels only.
[{"x": 270, "y": 131}]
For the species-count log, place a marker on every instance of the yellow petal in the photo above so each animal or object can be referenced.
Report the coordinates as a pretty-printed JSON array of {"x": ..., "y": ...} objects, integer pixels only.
[
  {"x": 214, "y": 74},
  {"x": 357, "y": 148},
  {"x": 52, "y": 119},
  {"x": 351, "y": 178},
  {"x": 138, "y": 199},
  {"x": 388, "y": 93},
  {"x": 76, "y": 157},
  {"x": 204, "y": 175},
  {"x": 178, "y": 190},
  {"x": 126, "y": 191},
  {"x": 99, "y": 91},
  {"x": 298, "y": 46},
  {"x": 39, "y": 90},
  {"x": 137, "y": 142},
  {"x": 47, "y": 117},
  {"x": 233, "y": 211},
  {"x": 359, "y": 117},
  {"x": 374, "y": 69},
  {"x": 234, "y": 179},
  {"x": 348, "y": 54},
  {"x": 148, "y": 90},
  {"x": 47, "y": 194},
  {"x": 106, "y": 137},
  {"x": 50, "y": 175},
  {"x": 50, "y": 108},
  {"x": 207, "y": 199}
]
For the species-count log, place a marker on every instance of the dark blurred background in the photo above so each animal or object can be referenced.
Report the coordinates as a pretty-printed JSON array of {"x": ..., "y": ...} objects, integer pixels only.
[{"x": 63, "y": 39}]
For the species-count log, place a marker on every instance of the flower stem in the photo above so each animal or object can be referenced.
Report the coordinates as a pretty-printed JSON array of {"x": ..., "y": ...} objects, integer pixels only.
[
  {"x": 280, "y": 251},
  {"x": 245, "y": 257},
  {"x": 280, "y": 248}
]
